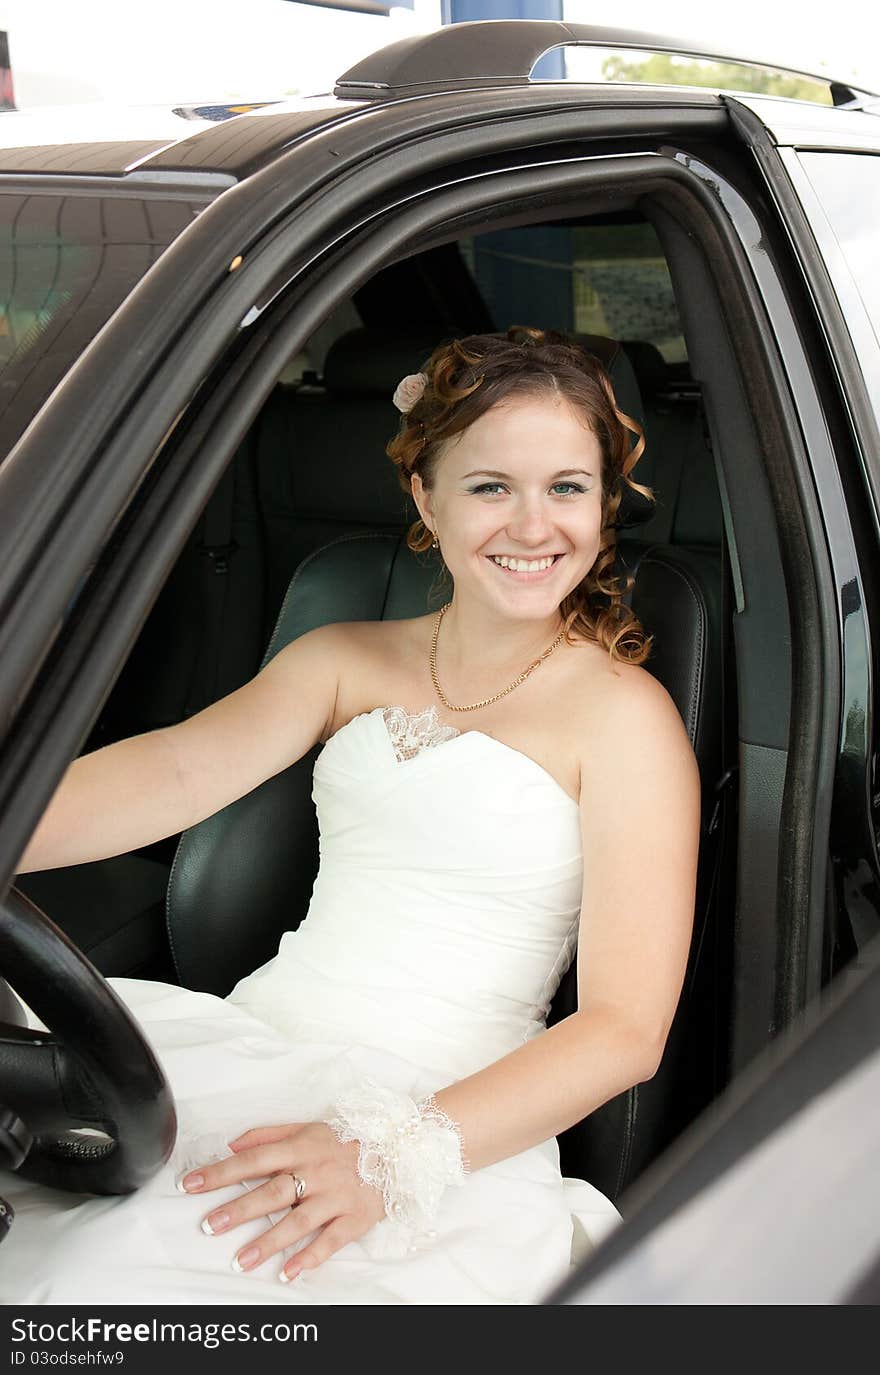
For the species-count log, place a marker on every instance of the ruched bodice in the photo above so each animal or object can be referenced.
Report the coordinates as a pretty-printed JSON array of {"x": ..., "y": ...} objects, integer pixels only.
[{"x": 446, "y": 900}]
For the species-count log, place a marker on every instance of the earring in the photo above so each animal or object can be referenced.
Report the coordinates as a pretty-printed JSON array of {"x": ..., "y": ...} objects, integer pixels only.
[{"x": 435, "y": 543}]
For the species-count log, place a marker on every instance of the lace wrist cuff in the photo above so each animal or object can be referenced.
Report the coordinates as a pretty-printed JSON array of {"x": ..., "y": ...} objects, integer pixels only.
[{"x": 411, "y": 1152}]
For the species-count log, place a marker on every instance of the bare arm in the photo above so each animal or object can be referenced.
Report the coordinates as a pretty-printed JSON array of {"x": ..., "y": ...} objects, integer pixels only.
[{"x": 143, "y": 789}]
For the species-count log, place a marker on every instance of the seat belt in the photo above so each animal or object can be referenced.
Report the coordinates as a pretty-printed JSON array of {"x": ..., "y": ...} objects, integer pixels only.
[
  {"x": 724, "y": 791},
  {"x": 663, "y": 522},
  {"x": 216, "y": 548}
]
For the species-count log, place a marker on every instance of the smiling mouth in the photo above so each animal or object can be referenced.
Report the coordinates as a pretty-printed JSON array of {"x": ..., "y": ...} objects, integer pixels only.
[{"x": 526, "y": 570}]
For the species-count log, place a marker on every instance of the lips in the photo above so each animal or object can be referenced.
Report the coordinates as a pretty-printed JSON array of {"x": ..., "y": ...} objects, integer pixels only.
[{"x": 539, "y": 575}]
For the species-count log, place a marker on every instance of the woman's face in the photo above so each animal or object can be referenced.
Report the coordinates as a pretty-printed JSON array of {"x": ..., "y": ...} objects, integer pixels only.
[{"x": 522, "y": 485}]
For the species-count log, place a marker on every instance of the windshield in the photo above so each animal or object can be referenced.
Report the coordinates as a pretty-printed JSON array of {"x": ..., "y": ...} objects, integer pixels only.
[{"x": 67, "y": 260}]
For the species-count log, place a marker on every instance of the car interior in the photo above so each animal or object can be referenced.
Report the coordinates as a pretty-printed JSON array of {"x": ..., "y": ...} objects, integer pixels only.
[{"x": 308, "y": 526}]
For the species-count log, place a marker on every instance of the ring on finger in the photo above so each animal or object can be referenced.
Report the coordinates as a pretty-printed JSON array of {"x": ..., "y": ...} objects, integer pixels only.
[{"x": 299, "y": 1188}]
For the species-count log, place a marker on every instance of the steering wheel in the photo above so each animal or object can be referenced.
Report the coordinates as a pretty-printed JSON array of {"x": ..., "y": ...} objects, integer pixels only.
[{"x": 93, "y": 1068}]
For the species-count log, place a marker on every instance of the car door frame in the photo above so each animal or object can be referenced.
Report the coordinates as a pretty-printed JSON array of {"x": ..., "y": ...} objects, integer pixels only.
[
  {"x": 852, "y": 358},
  {"x": 65, "y": 637}
]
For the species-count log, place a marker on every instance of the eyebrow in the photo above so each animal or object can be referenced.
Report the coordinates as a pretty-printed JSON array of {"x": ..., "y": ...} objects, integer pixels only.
[{"x": 564, "y": 472}]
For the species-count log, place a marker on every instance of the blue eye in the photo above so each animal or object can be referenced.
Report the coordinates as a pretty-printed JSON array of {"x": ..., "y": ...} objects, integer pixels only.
[{"x": 574, "y": 488}]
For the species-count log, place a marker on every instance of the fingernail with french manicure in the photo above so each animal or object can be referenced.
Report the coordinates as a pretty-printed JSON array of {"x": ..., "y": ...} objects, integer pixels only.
[
  {"x": 245, "y": 1259},
  {"x": 217, "y": 1222},
  {"x": 187, "y": 1183}
]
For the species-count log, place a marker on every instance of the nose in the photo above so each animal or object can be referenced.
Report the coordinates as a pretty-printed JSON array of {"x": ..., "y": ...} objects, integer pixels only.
[{"x": 531, "y": 522}]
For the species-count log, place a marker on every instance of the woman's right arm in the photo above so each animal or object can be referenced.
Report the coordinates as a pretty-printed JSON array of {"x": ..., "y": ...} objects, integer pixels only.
[{"x": 143, "y": 789}]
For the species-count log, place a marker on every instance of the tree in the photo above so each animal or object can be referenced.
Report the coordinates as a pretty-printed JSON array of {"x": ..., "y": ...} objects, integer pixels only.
[{"x": 664, "y": 69}]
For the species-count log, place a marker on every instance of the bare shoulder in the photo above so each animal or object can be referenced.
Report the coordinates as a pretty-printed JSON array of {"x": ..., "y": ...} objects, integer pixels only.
[
  {"x": 362, "y": 642},
  {"x": 367, "y": 659},
  {"x": 629, "y": 689},
  {"x": 641, "y": 728},
  {"x": 351, "y": 639},
  {"x": 339, "y": 645}
]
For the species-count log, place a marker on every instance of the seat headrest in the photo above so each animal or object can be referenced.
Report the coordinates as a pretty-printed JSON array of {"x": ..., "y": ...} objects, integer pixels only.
[
  {"x": 650, "y": 366},
  {"x": 619, "y": 368},
  {"x": 371, "y": 362}
]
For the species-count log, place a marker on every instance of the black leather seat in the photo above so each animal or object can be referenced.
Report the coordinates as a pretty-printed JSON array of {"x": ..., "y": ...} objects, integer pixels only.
[{"x": 246, "y": 873}]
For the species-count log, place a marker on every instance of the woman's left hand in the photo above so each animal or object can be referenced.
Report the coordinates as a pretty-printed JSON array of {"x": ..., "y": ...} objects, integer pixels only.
[{"x": 336, "y": 1204}]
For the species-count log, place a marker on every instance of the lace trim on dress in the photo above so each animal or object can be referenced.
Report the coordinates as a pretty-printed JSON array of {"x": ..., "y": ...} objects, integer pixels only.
[
  {"x": 412, "y": 734},
  {"x": 411, "y": 1152}
]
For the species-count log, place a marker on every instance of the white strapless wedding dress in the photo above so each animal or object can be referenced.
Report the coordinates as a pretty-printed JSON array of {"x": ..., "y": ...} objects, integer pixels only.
[{"x": 442, "y": 919}]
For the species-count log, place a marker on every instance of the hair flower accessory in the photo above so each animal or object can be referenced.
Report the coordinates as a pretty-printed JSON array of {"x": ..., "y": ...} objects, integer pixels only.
[{"x": 409, "y": 391}]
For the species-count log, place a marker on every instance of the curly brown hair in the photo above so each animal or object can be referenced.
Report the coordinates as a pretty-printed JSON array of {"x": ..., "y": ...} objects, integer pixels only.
[{"x": 465, "y": 378}]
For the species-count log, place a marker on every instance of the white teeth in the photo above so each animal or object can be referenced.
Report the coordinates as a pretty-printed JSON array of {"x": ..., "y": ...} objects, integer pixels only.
[{"x": 523, "y": 565}]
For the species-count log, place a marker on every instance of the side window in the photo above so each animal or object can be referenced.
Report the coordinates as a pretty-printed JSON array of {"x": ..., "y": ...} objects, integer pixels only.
[
  {"x": 840, "y": 194},
  {"x": 599, "y": 278},
  {"x": 848, "y": 185},
  {"x": 66, "y": 262},
  {"x": 622, "y": 287}
]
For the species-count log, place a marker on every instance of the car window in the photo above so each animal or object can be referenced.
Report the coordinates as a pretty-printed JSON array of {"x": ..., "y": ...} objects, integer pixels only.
[
  {"x": 622, "y": 287},
  {"x": 66, "y": 263},
  {"x": 848, "y": 185},
  {"x": 610, "y": 279}
]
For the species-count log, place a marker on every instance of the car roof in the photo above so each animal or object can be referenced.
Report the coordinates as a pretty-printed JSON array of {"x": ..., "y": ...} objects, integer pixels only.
[
  {"x": 801, "y": 124},
  {"x": 115, "y": 140},
  {"x": 451, "y": 63}
]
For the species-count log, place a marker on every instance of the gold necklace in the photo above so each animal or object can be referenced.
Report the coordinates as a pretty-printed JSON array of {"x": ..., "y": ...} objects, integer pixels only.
[{"x": 536, "y": 663}]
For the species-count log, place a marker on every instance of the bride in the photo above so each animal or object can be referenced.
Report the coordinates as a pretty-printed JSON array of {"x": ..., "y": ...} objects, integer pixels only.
[{"x": 371, "y": 1117}]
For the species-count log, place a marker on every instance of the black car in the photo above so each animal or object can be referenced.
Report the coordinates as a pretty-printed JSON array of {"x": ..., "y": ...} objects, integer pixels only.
[{"x": 201, "y": 334}]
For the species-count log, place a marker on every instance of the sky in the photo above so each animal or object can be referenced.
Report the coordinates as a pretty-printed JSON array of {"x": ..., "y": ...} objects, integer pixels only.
[{"x": 195, "y": 51}]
